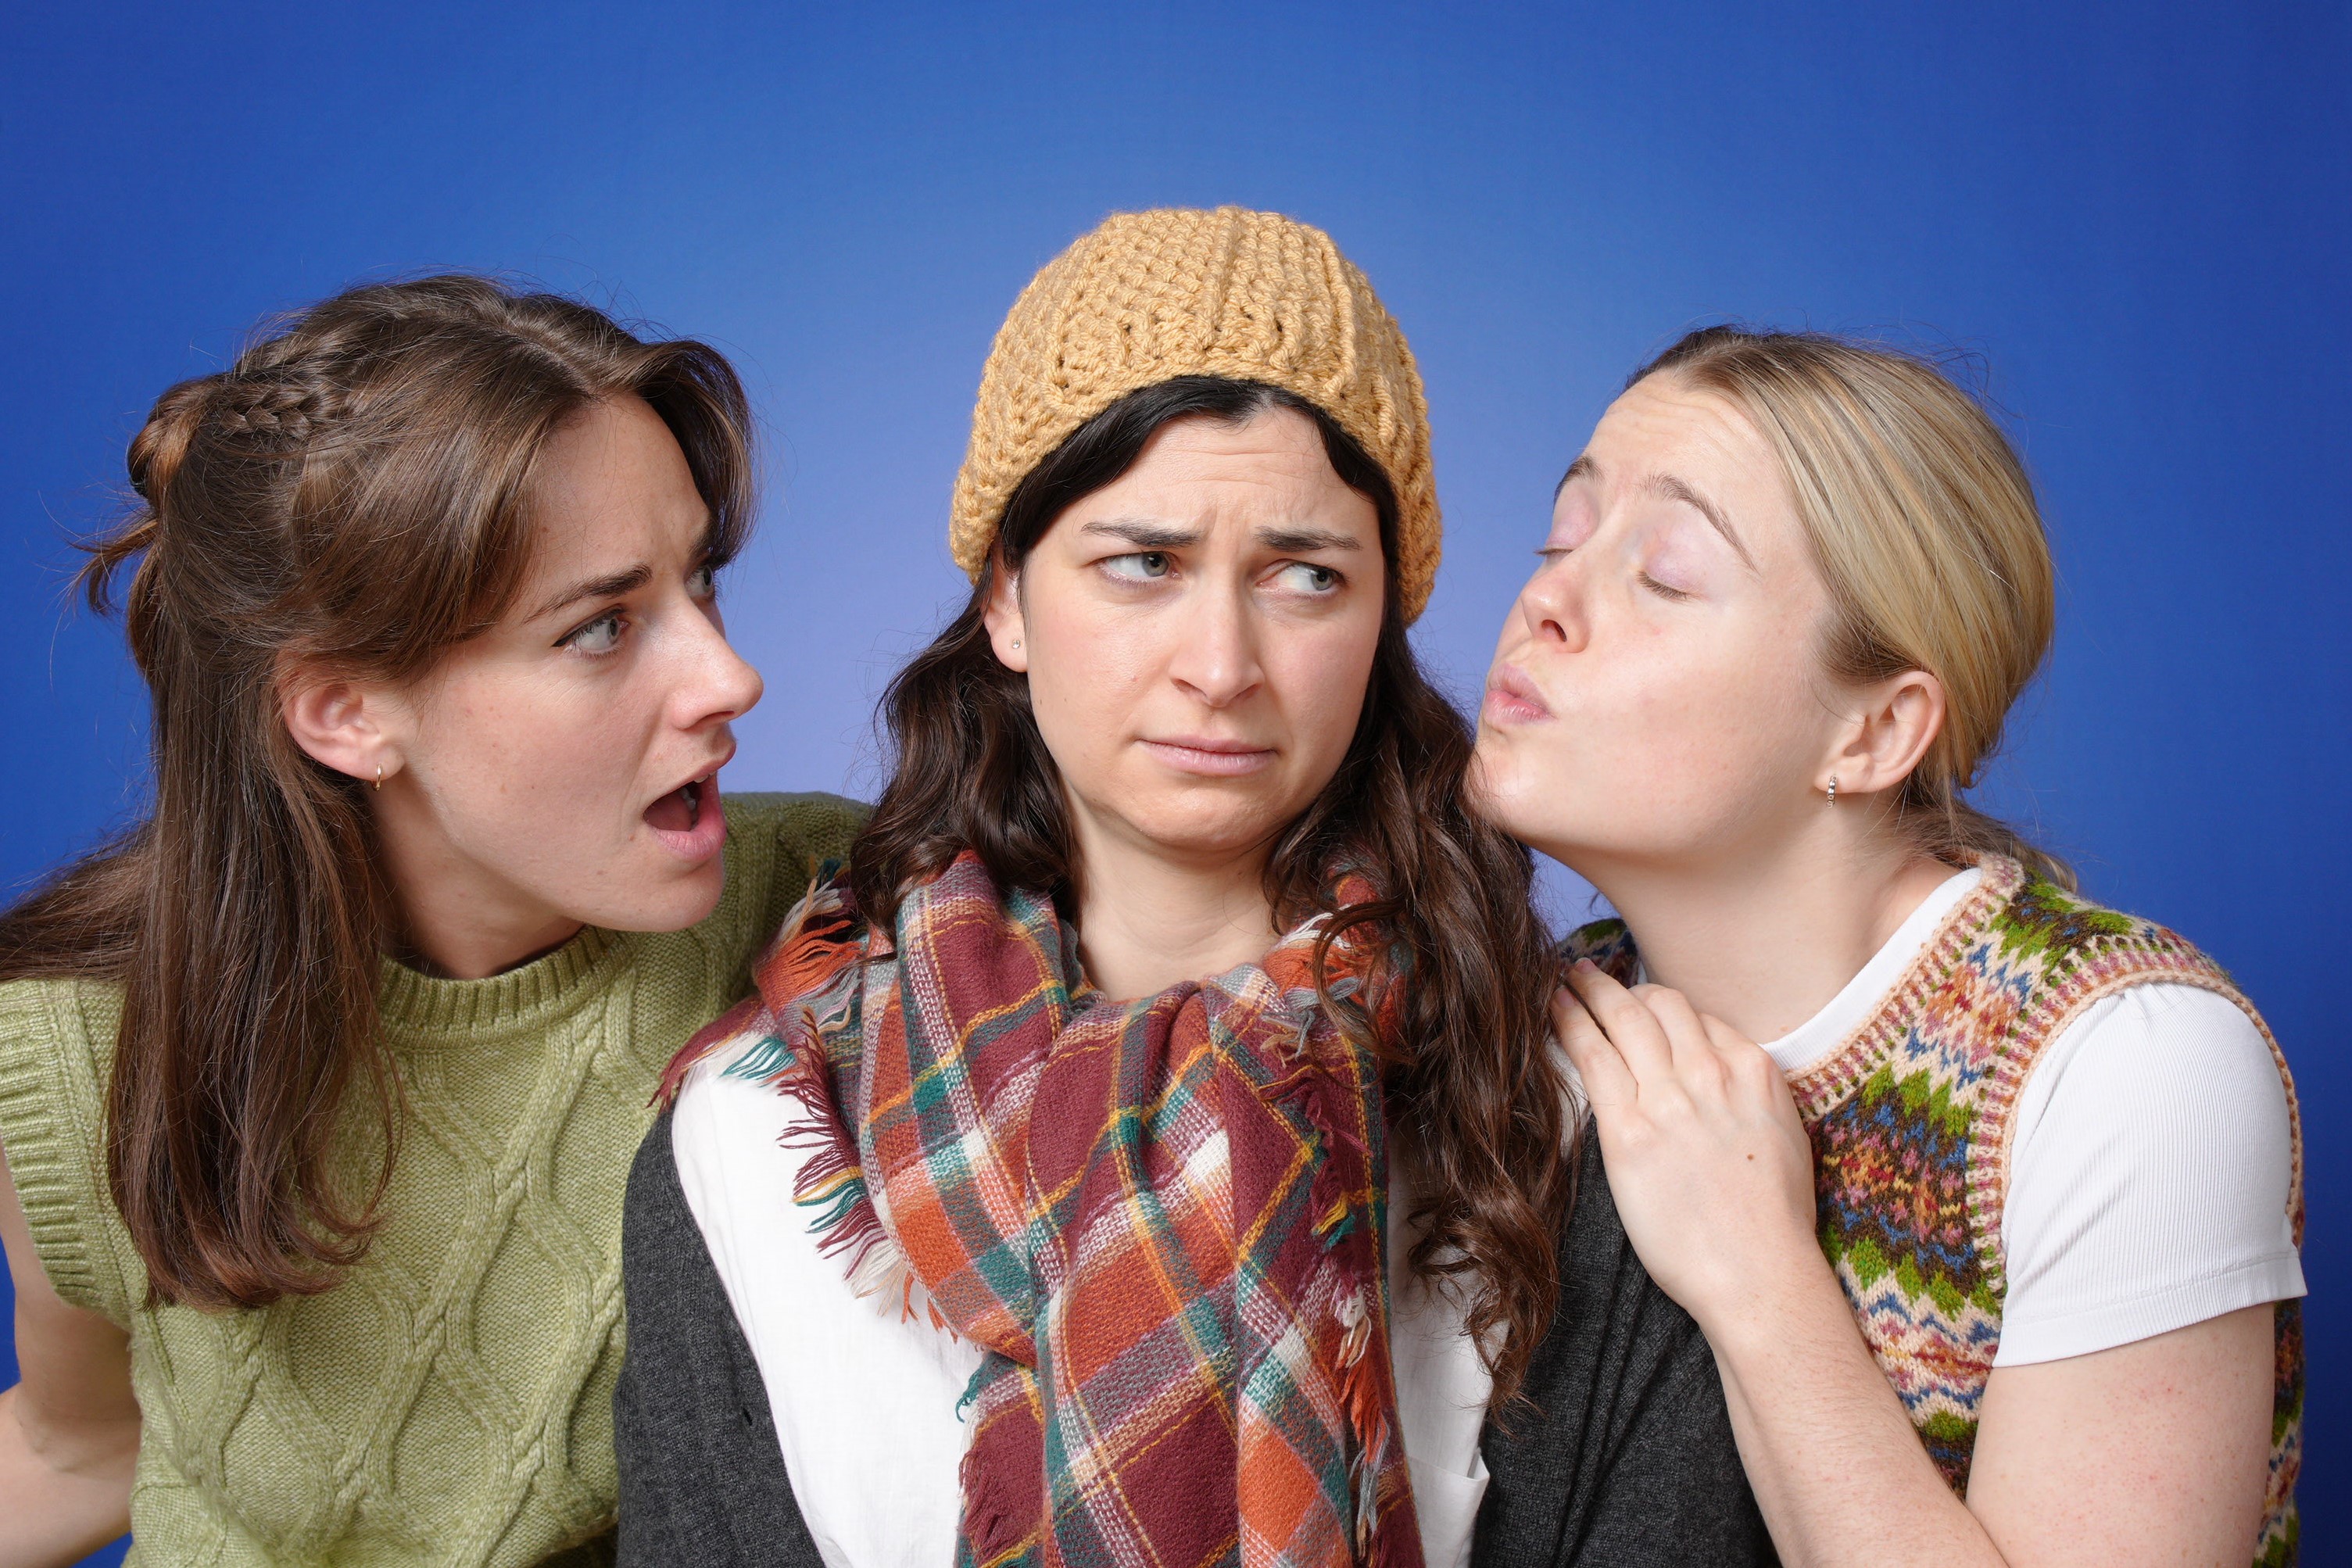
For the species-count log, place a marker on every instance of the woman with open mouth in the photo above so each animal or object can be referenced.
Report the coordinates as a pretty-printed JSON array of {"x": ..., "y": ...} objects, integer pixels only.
[
  {"x": 318, "y": 1088},
  {"x": 1996, "y": 1238},
  {"x": 1148, "y": 1149}
]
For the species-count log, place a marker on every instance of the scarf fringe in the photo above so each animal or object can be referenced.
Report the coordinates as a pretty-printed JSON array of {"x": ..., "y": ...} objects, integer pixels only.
[
  {"x": 1363, "y": 1388},
  {"x": 820, "y": 941}
]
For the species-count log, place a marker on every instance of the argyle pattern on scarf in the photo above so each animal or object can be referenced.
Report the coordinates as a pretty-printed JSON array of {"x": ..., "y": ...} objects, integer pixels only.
[
  {"x": 1912, "y": 1118},
  {"x": 1163, "y": 1222}
]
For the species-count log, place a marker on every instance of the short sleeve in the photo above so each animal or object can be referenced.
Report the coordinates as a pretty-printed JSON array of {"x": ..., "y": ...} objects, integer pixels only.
[
  {"x": 2149, "y": 1177},
  {"x": 53, "y": 1126}
]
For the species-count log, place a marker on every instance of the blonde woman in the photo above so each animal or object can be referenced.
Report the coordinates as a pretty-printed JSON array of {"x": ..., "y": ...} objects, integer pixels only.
[{"x": 1995, "y": 1239}]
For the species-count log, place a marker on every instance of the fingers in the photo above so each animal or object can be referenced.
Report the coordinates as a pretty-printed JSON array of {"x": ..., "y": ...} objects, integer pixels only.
[
  {"x": 1755, "y": 1075},
  {"x": 1608, "y": 1082},
  {"x": 1696, "y": 1060},
  {"x": 1630, "y": 1024}
]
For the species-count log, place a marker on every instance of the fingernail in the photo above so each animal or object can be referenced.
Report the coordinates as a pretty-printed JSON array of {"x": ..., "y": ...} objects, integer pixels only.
[{"x": 1586, "y": 966}]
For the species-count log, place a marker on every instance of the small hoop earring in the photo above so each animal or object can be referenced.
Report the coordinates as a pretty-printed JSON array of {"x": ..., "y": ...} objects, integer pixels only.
[
  {"x": 379, "y": 778},
  {"x": 1833, "y": 789}
]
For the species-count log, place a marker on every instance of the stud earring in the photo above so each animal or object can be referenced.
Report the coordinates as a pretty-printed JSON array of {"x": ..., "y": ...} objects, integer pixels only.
[
  {"x": 1016, "y": 642},
  {"x": 1833, "y": 789}
]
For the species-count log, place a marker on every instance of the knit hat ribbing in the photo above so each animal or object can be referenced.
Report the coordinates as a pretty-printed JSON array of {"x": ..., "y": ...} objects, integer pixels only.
[{"x": 1150, "y": 296}]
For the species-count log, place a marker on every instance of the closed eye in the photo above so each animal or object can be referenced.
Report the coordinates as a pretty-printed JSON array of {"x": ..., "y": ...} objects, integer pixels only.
[{"x": 1662, "y": 591}]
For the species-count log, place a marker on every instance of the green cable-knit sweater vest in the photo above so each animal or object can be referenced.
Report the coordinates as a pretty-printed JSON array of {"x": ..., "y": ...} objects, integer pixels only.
[
  {"x": 1912, "y": 1118},
  {"x": 451, "y": 1401}
]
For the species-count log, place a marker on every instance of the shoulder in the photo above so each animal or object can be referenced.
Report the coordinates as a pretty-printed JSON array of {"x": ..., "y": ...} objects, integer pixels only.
[
  {"x": 2165, "y": 1069},
  {"x": 57, "y": 1042},
  {"x": 794, "y": 834},
  {"x": 2163, "y": 1052},
  {"x": 2153, "y": 1180},
  {"x": 1608, "y": 944},
  {"x": 56, "y": 1049},
  {"x": 2078, "y": 949},
  {"x": 779, "y": 846}
]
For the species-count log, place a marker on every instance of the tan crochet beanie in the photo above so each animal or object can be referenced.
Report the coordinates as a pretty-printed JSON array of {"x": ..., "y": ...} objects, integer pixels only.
[{"x": 1150, "y": 296}]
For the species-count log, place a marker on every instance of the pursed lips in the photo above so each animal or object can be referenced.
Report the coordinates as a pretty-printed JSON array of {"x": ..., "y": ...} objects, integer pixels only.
[{"x": 1513, "y": 697}]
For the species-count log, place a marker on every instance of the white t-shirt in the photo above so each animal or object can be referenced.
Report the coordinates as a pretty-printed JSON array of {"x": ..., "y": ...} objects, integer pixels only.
[
  {"x": 2148, "y": 1192},
  {"x": 2150, "y": 1174}
]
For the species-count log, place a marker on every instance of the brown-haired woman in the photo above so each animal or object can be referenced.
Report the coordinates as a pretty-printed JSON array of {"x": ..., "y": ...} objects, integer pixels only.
[
  {"x": 1168, "y": 976},
  {"x": 316, "y": 1088},
  {"x": 2012, "y": 1276}
]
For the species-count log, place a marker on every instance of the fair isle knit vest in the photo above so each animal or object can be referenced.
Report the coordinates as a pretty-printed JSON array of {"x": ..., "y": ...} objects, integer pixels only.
[{"x": 1912, "y": 1118}]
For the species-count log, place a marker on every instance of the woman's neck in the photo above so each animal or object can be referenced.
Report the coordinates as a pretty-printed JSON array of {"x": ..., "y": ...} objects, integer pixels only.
[
  {"x": 456, "y": 922},
  {"x": 1147, "y": 922},
  {"x": 1765, "y": 942}
]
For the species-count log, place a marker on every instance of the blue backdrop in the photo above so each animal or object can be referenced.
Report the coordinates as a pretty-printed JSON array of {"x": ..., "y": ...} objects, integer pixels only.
[{"x": 2137, "y": 219}]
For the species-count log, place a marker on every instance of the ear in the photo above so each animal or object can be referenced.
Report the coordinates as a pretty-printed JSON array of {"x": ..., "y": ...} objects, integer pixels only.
[
  {"x": 354, "y": 727},
  {"x": 1896, "y": 722},
  {"x": 1008, "y": 629}
]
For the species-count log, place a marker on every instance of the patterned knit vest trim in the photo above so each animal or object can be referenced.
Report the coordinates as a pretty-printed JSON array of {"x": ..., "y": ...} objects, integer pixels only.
[{"x": 1912, "y": 1117}]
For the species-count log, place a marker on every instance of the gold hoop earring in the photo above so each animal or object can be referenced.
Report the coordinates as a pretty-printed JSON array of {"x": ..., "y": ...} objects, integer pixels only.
[
  {"x": 1833, "y": 789},
  {"x": 379, "y": 779}
]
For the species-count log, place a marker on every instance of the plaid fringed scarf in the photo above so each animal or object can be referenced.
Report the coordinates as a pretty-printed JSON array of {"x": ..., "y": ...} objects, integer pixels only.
[{"x": 1162, "y": 1221}]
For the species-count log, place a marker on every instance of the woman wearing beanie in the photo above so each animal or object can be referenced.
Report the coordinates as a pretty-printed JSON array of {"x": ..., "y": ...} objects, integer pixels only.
[
  {"x": 1146, "y": 1148},
  {"x": 318, "y": 1088},
  {"x": 1996, "y": 1239}
]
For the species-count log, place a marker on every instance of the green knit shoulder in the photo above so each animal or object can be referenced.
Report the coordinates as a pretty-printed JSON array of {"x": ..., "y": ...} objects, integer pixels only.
[
  {"x": 450, "y": 1400},
  {"x": 56, "y": 1049}
]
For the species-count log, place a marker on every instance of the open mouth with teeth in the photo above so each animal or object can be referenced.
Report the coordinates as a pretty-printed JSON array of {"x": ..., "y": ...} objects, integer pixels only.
[{"x": 680, "y": 811}]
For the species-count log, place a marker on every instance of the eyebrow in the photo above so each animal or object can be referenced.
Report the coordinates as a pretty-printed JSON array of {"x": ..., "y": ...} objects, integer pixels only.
[
  {"x": 1666, "y": 487},
  {"x": 613, "y": 584},
  {"x": 1584, "y": 467},
  {"x": 1301, "y": 540},
  {"x": 1145, "y": 535}
]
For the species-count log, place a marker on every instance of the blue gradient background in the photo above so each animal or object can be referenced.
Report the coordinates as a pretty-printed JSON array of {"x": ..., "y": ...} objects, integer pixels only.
[{"x": 2136, "y": 215}]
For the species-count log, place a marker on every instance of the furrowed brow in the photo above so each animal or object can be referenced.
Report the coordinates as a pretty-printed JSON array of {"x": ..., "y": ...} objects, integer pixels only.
[
  {"x": 1668, "y": 488},
  {"x": 611, "y": 586},
  {"x": 1299, "y": 541},
  {"x": 1143, "y": 533}
]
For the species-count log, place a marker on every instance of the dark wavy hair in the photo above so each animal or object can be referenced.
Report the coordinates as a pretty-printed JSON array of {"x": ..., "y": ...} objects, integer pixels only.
[
  {"x": 1469, "y": 1075},
  {"x": 351, "y": 491}
]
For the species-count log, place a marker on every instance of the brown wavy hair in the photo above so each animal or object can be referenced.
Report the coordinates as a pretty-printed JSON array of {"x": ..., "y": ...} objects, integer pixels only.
[
  {"x": 1470, "y": 1078},
  {"x": 351, "y": 495}
]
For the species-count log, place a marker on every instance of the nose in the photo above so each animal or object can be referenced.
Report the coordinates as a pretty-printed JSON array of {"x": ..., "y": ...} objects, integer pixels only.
[
  {"x": 1552, "y": 606},
  {"x": 1216, "y": 652},
  {"x": 720, "y": 686}
]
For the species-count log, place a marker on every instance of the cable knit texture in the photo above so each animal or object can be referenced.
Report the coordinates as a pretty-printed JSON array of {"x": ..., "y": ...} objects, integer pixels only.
[
  {"x": 451, "y": 1401},
  {"x": 1151, "y": 296}
]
